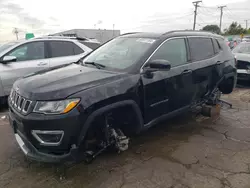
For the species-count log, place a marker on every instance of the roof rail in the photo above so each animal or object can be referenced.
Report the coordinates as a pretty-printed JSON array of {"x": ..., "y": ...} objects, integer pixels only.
[
  {"x": 130, "y": 33},
  {"x": 61, "y": 37},
  {"x": 188, "y": 30}
]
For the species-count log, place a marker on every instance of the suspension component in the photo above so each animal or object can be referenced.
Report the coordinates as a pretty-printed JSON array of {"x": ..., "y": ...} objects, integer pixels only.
[{"x": 113, "y": 138}]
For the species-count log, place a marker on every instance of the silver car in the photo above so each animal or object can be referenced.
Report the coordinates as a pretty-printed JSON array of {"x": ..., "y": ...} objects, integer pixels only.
[
  {"x": 20, "y": 58},
  {"x": 242, "y": 54}
]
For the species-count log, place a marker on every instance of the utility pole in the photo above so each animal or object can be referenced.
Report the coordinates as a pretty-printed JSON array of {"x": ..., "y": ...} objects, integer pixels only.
[
  {"x": 113, "y": 30},
  {"x": 221, "y": 14},
  {"x": 196, "y": 4},
  {"x": 16, "y": 32},
  {"x": 246, "y": 24}
]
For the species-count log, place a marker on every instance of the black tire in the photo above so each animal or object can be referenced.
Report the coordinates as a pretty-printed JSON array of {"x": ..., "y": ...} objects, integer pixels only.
[{"x": 227, "y": 86}]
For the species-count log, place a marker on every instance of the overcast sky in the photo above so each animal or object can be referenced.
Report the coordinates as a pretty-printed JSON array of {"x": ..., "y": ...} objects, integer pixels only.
[{"x": 49, "y": 16}]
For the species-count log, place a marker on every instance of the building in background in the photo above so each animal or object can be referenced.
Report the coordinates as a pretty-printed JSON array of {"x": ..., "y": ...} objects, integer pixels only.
[{"x": 101, "y": 35}]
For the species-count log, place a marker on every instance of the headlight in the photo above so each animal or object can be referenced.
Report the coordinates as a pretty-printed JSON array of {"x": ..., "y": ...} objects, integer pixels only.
[{"x": 55, "y": 107}]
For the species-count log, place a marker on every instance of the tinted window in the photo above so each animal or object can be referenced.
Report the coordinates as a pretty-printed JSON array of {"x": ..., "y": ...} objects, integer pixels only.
[
  {"x": 61, "y": 48},
  {"x": 216, "y": 46},
  {"x": 173, "y": 51},
  {"x": 29, "y": 51},
  {"x": 91, "y": 45},
  {"x": 201, "y": 48},
  {"x": 77, "y": 50}
]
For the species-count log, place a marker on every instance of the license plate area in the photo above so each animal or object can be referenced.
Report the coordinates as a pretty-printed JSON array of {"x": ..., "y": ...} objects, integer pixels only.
[{"x": 16, "y": 124}]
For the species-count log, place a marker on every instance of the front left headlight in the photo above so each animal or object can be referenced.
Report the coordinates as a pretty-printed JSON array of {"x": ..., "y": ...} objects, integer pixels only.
[{"x": 56, "y": 107}]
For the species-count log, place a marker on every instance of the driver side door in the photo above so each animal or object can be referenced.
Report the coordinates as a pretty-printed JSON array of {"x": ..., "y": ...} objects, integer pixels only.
[
  {"x": 169, "y": 91},
  {"x": 30, "y": 57}
]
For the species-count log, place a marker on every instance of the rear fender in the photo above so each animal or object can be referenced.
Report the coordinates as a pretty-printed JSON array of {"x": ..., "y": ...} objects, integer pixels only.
[{"x": 2, "y": 94}]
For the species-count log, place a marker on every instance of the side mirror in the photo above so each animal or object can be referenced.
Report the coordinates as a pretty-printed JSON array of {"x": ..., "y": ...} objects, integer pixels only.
[
  {"x": 156, "y": 65},
  {"x": 160, "y": 64},
  {"x": 8, "y": 59}
]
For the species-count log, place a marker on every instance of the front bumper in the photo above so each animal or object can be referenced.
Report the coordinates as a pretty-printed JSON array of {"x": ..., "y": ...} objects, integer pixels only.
[
  {"x": 243, "y": 74},
  {"x": 32, "y": 153},
  {"x": 33, "y": 149}
]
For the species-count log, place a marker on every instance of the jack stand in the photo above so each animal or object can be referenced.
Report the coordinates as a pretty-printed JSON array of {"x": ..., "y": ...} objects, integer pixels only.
[{"x": 225, "y": 102}]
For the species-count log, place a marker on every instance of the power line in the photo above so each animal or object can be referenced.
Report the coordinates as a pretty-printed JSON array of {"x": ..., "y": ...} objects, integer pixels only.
[
  {"x": 196, "y": 5},
  {"x": 164, "y": 20},
  {"x": 215, "y": 8}
]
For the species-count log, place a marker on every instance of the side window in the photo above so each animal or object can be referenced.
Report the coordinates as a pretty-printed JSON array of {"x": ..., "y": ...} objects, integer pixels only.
[
  {"x": 224, "y": 45},
  {"x": 216, "y": 46},
  {"x": 173, "y": 51},
  {"x": 28, "y": 51},
  {"x": 77, "y": 50},
  {"x": 61, "y": 48},
  {"x": 200, "y": 48}
]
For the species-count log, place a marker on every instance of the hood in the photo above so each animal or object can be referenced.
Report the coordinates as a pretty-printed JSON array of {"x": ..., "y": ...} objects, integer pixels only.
[
  {"x": 61, "y": 82},
  {"x": 242, "y": 57}
]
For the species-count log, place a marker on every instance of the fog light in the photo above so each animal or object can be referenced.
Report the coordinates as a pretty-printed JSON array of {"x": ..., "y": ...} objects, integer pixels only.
[{"x": 48, "y": 138}]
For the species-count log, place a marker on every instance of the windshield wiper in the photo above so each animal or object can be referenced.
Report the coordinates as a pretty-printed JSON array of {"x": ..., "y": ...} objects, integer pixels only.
[{"x": 97, "y": 65}]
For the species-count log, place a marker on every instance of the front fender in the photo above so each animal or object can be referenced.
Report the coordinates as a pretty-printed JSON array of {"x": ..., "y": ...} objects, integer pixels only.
[{"x": 107, "y": 108}]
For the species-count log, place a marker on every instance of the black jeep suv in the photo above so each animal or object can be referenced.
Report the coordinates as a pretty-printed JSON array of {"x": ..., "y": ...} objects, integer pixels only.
[{"x": 123, "y": 87}]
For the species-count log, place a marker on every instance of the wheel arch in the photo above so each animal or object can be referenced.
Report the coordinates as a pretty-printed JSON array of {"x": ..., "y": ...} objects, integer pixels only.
[{"x": 100, "y": 111}]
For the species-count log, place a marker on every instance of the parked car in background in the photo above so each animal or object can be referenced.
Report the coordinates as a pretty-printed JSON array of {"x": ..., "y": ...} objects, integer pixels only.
[
  {"x": 124, "y": 87},
  {"x": 242, "y": 54},
  {"x": 246, "y": 39},
  {"x": 20, "y": 58}
]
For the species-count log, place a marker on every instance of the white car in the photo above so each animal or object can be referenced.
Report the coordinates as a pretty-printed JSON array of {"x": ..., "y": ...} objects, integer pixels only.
[
  {"x": 20, "y": 58},
  {"x": 242, "y": 54}
]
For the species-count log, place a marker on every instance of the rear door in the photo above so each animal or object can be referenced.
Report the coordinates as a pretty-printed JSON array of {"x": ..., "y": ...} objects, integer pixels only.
[
  {"x": 204, "y": 59},
  {"x": 31, "y": 57},
  {"x": 171, "y": 90},
  {"x": 63, "y": 52}
]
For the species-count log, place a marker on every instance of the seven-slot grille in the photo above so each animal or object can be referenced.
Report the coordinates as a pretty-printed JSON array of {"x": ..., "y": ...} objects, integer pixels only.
[{"x": 19, "y": 103}]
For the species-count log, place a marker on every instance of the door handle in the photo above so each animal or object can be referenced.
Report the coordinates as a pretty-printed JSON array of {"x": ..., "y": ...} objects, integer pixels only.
[
  {"x": 187, "y": 72},
  {"x": 218, "y": 62},
  {"x": 42, "y": 64}
]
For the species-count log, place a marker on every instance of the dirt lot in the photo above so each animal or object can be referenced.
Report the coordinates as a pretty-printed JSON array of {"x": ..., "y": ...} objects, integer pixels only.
[{"x": 185, "y": 152}]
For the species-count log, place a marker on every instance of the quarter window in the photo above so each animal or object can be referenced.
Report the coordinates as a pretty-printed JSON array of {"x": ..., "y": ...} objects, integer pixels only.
[
  {"x": 77, "y": 50},
  {"x": 173, "y": 51},
  {"x": 29, "y": 51},
  {"x": 200, "y": 48},
  {"x": 216, "y": 46}
]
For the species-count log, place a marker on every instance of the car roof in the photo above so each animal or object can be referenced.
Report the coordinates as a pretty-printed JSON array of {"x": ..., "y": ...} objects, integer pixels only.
[{"x": 171, "y": 33}]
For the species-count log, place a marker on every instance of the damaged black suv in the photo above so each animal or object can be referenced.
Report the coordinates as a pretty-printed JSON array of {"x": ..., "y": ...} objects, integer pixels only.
[{"x": 125, "y": 86}]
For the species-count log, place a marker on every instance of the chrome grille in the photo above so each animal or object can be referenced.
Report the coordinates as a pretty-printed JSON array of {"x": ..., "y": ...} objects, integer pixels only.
[{"x": 19, "y": 102}]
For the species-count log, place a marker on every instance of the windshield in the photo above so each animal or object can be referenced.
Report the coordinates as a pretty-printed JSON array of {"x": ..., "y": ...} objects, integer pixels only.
[
  {"x": 243, "y": 48},
  {"x": 7, "y": 45},
  {"x": 120, "y": 53}
]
